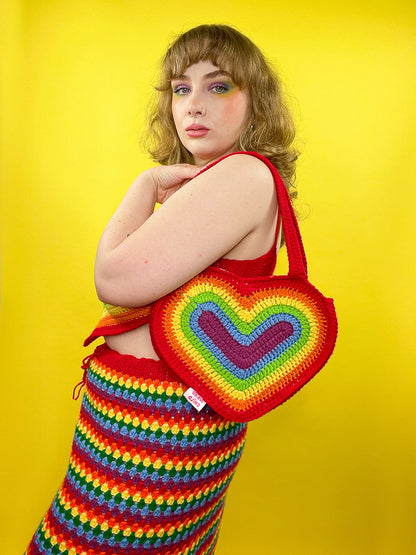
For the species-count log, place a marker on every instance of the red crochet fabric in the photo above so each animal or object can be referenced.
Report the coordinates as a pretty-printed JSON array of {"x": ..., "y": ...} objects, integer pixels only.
[{"x": 116, "y": 320}]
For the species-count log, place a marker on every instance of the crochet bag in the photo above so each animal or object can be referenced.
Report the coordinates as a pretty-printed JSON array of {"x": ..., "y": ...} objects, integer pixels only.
[{"x": 247, "y": 344}]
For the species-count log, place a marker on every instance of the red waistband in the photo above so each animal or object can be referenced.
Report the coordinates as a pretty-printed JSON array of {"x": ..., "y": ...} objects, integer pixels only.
[
  {"x": 138, "y": 367},
  {"x": 146, "y": 368}
]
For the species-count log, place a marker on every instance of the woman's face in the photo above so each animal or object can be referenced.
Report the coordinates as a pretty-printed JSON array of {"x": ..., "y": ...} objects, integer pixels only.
[{"x": 210, "y": 111}]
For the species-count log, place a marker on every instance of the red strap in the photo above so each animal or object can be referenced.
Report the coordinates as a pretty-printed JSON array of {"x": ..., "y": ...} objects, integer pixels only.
[{"x": 277, "y": 227}]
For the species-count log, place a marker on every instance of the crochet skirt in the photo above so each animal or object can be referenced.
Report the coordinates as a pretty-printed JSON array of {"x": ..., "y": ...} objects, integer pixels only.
[{"x": 148, "y": 473}]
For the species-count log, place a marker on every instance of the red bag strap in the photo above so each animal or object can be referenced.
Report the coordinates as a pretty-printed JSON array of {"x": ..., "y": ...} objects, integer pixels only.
[{"x": 294, "y": 245}]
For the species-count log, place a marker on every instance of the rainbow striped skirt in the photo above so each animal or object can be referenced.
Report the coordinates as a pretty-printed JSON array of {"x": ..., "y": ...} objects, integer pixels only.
[{"x": 148, "y": 474}]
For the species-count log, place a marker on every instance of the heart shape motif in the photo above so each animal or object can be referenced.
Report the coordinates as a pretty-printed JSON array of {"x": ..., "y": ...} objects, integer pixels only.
[
  {"x": 244, "y": 344},
  {"x": 218, "y": 333}
]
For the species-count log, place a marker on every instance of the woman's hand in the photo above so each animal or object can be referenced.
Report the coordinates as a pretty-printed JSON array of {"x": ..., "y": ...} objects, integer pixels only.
[{"x": 168, "y": 179}]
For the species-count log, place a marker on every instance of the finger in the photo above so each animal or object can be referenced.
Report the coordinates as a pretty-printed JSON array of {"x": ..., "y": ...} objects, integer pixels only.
[
  {"x": 189, "y": 168},
  {"x": 183, "y": 174},
  {"x": 191, "y": 172}
]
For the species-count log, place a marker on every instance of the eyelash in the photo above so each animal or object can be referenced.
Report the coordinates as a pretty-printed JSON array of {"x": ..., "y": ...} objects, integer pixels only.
[
  {"x": 179, "y": 89},
  {"x": 223, "y": 86}
]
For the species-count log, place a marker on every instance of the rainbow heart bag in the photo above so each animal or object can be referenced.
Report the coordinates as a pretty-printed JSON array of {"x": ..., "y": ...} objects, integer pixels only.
[{"x": 247, "y": 344}]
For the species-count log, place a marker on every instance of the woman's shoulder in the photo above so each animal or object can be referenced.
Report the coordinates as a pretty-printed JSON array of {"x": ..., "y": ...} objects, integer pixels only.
[
  {"x": 241, "y": 184},
  {"x": 242, "y": 168},
  {"x": 244, "y": 160}
]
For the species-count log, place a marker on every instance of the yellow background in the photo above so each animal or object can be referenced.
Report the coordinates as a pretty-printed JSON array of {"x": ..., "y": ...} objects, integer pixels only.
[{"x": 333, "y": 470}]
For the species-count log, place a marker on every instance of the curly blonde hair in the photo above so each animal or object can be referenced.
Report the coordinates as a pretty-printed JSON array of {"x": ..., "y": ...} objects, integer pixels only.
[{"x": 270, "y": 130}]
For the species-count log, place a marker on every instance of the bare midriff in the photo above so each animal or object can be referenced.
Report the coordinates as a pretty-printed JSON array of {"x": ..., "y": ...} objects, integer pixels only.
[{"x": 135, "y": 342}]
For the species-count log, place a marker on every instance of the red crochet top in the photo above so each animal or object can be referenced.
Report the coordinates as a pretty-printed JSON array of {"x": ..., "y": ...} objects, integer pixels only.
[{"x": 116, "y": 319}]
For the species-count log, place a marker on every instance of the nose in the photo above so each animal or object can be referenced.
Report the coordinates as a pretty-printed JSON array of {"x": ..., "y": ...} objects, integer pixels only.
[
  {"x": 196, "y": 111},
  {"x": 195, "y": 107}
]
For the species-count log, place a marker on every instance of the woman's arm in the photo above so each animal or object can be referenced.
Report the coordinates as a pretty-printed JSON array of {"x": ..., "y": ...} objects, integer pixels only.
[
  {"x": 144, "y": 255},
  {"x": 151, "y": 186}
]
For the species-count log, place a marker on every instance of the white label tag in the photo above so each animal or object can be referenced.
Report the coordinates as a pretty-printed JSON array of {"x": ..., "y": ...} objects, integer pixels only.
[{"x": 195, "y": 399}]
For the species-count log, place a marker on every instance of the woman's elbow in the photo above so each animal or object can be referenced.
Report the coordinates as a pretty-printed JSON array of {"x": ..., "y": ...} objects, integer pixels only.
[
  {"x": 108, "y": 284},
  {"x": 118, "y": 292},
  {"x": 105, "y": 292}
]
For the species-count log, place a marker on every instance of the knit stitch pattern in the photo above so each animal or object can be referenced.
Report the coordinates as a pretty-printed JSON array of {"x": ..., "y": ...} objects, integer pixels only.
[
  {"x": 245, "y": 345},
  {"x": 148, "y": 474},
  {"x": 118, "y": 319}
]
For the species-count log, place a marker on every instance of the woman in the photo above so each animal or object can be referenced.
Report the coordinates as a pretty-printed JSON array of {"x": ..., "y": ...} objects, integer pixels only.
[{"x": 148, "y": 471}]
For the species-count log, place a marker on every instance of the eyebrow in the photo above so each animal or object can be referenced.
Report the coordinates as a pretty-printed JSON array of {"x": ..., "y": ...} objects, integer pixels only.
[{"x": 210, "y": 75}]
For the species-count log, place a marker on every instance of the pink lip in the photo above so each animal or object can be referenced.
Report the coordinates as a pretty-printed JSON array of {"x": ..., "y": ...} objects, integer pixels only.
[{"x": 196, "y": 130}]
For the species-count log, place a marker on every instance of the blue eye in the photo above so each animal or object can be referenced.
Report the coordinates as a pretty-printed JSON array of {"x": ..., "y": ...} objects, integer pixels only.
[
  {"x": 220, "y": 88},
  {"x": 180, "y": 89}
]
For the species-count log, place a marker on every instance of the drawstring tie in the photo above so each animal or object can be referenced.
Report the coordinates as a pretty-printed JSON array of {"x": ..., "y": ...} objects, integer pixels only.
[
  {"x": 85, "y": 365},
  {"x": 78, "y": 388}
]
